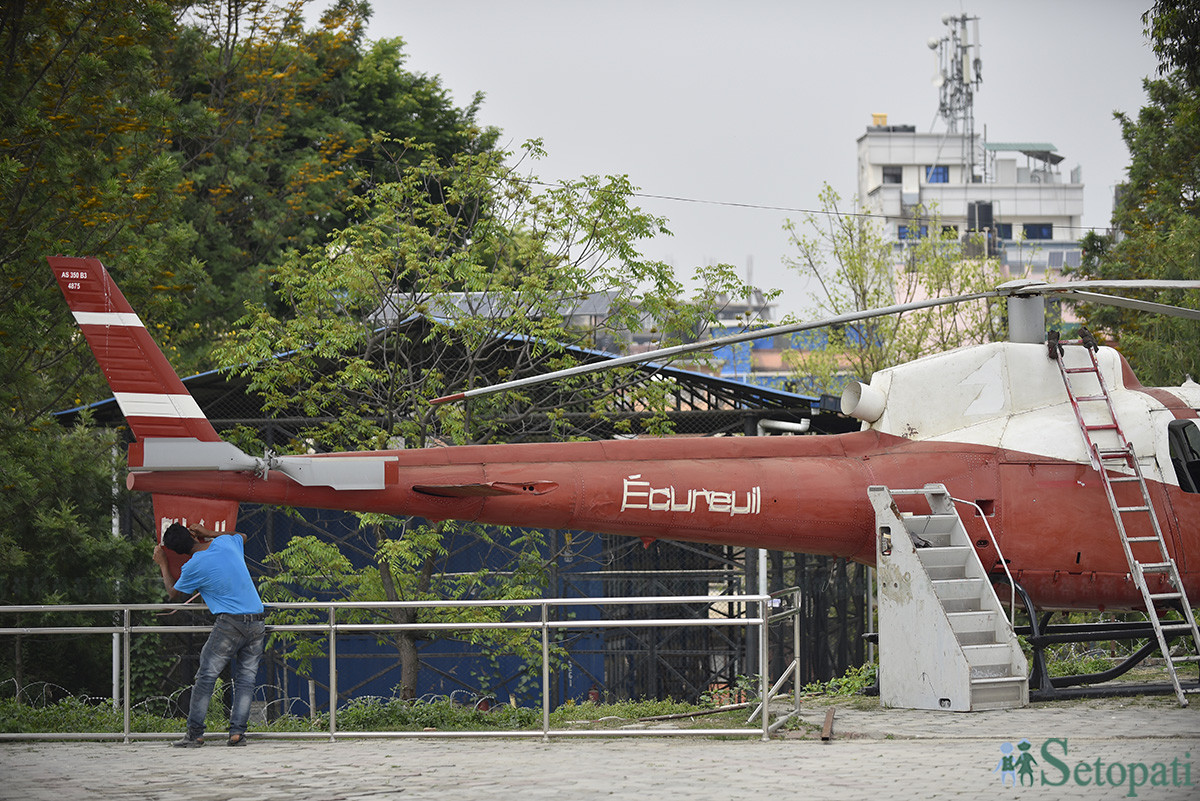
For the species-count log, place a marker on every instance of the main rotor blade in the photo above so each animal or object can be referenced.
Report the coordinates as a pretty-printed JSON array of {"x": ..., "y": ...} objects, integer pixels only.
[
  {"x": 1018, "y": 287},
  {"x": 1043, "y": 288},
  {"x": 1130, "y": 303},
  {"x": 718, "y": 342}
]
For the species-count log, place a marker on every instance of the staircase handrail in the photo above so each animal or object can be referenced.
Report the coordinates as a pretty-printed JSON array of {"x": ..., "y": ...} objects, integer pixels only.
[{"x": 1012, "y": 585}]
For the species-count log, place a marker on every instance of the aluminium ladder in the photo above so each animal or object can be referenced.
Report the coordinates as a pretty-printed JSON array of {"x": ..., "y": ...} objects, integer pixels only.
[{"x": 1117, "y": 464}]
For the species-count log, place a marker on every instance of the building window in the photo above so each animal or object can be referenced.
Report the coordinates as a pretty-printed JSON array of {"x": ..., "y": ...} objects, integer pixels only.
[
  {"x": 939, "y": 174},
  {"x": 893, "y": 174},
  {"x": 1039, "y": 230},
  {"x": 1004, "y": 230},
  {"x": 905, "y": 232}
]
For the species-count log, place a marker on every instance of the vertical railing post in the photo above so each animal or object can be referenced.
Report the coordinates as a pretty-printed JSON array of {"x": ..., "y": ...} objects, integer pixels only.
[
  {"x": 796, "y": 600},
  {"x": 545, "y": 672},
  {"x": 764, "y": 680},
  {"x": 127, "y": 621},
  {"x": 116, "y": 667},
  {"x": 333, "y": 690}
]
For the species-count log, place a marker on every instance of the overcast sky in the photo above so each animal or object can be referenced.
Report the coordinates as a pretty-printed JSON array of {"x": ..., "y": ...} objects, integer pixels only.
[{"x": 747, "y": 108}]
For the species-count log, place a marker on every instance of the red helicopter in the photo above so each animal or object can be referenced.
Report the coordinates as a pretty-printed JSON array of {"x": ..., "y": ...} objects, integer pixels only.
[{"x": 1058, "y": 446}]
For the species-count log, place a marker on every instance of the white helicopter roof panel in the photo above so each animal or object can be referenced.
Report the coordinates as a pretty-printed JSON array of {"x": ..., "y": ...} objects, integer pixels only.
[{"x": 1011, "y": 395}]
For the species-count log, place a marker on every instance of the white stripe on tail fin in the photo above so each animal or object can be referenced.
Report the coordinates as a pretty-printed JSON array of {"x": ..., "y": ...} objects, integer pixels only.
[{"x": 151, "y": 396}]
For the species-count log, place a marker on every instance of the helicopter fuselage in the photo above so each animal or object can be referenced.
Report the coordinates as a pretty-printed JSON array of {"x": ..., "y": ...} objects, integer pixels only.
[{"x": 1050, "y": 519}]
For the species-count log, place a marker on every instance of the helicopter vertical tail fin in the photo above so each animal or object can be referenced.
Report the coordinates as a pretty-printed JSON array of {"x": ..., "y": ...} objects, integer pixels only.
[{"x": 152, "y": 398}]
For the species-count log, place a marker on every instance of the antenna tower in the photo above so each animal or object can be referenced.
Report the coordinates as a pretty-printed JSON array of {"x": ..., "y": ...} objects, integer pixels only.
[{"x": 958, "y": 77}]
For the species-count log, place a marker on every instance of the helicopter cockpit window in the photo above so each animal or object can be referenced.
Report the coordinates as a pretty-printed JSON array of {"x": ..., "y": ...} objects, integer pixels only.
[{"x": 1184, "y": 438}]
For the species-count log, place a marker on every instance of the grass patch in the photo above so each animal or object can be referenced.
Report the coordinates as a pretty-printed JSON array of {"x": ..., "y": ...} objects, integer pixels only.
[
  {"x": 75, "y": 715},
  {"x": 383, "y": 714}
]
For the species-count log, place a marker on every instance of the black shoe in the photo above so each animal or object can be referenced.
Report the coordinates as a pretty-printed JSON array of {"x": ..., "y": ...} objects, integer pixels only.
[
  {"x": 189, "y": 741},
  {"x": 236, "y": 740}
]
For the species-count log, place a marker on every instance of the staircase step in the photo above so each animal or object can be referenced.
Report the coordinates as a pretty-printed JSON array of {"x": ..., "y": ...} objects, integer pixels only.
[
  {"x": 1156, "y": 567},
  {"x": 944, "y": 555},
  {"x": 977, "y": 637},
  {"x": 998, "y": 693},
  {"x": 946, "y": 572},
  {"x": 972, "y": 621},
  {"x": 999, "y": 680},
  {"x": 996, "y": 671},
  {"x": 959, "y": 594},
  {"x": 947, "y": 562},
  {"x": 1124, "y": 509},
  {"x": 958, "y": 587},
  {"x": 936, "y": 529},
  {"x": 993, "y": 658},
  {"x": 1165, "y": 596},
  {"x": 974, "y": 627}
]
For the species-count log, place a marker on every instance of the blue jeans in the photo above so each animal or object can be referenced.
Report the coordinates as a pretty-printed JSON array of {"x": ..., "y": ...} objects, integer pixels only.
[{"x": 231, "y": 639}]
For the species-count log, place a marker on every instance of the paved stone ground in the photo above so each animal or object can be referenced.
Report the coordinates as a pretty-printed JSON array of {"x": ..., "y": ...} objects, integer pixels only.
[{"x": 1150, "y": 748}]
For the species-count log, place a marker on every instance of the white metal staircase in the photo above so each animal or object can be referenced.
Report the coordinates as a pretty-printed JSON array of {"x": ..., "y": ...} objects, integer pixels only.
[
  {"x": 944, "y": 639},
  {"x": 1132, "y": 509}
]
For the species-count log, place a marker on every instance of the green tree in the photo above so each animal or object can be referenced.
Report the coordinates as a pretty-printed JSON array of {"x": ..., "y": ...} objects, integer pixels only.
[
  {"x": 290, "y": 125},
  {"x": 1174, "y": 30},
  {"x": 84, "y": 169},
  {"x": 856, "y": 267},
  {"x": 185, "y": 145},
  {"x": 1157, "y": 214},
  {"x": 459, "y": 274}
]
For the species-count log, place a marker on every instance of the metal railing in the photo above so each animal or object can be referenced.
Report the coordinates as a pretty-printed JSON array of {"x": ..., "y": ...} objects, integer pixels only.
[{"x": 331, "y": 628}]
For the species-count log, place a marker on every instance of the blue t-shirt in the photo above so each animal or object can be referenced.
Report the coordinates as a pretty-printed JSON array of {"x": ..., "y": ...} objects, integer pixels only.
[{"x": 219, "y": 573}]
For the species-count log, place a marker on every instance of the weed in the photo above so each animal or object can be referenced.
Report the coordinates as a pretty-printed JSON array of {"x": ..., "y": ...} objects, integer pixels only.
[{"x": 853, "y": 682}]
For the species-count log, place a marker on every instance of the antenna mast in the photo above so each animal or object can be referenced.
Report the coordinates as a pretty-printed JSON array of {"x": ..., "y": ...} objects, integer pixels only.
[{"x": 958, "y": 76}]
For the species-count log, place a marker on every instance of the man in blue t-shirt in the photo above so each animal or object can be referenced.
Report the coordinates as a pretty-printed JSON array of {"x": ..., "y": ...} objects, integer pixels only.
[{"x": 217, "y": 570}]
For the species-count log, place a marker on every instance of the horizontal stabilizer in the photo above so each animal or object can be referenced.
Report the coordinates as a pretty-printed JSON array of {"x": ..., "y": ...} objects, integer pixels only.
[
  {"x": 185, "y": 453},
  {"x": 339, "y": 472}
]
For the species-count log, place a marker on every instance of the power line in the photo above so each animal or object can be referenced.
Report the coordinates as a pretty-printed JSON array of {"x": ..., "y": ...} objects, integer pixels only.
[
  {"x": 788, "y": 209},
  {"x": 765, "y": 206}
]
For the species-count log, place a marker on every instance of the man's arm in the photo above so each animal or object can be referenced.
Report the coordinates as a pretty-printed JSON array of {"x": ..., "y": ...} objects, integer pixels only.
[
  {"x": 208, "y": 534},
  {"x": 160, "y": 559}
]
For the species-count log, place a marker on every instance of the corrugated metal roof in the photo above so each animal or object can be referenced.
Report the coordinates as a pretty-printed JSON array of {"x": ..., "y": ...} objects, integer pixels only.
[
  {"x": 1043, "y": 151},
  {"x": 1021, "y": 146}
]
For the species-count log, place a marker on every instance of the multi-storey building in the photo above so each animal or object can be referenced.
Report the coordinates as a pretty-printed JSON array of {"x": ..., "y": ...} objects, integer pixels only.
[{"x": 1014, "y": 194}]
